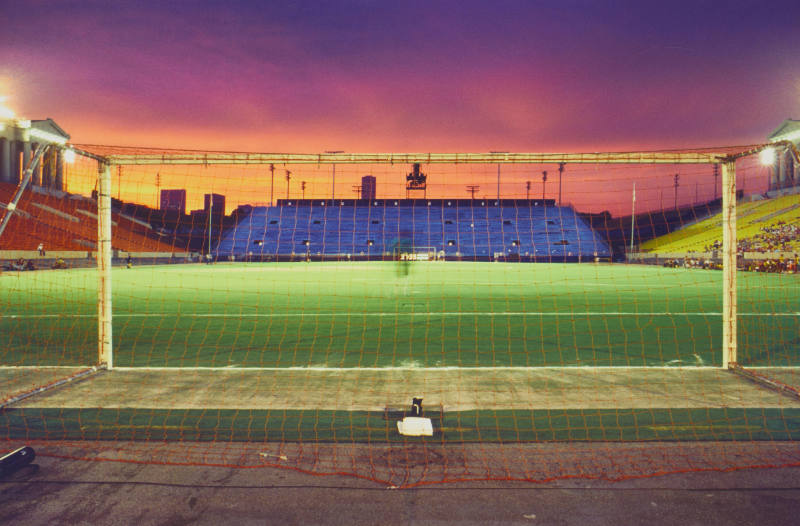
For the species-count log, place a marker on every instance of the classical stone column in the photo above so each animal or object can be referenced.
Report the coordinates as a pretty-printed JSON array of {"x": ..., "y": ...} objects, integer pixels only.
[{"x": 5, "y": 160}]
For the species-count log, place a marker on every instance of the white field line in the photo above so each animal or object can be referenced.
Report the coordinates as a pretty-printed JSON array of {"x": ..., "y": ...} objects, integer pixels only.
[
  {"x": 426, "y": 369},
  {"x": 604, "y": 368},
  {"x": 387, "y": 314}
]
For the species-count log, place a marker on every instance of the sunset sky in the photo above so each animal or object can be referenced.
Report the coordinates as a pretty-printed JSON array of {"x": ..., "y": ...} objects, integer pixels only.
[
  {"x": 404, "y": 76},
  {"x": 368, "y": 75}
]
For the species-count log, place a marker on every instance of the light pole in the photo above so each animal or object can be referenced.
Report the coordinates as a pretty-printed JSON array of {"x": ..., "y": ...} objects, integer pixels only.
[
  {"x": 560, "y": 173},
  {"x": 271, "y": 184},
  {"x": 472, "y": 188},
  {"x": 677, "y": 177},
  {"x": 303, "y": 188},
  {"x": 498, "y": 174},
  {"x": 544, "y": 180},
  {"x": 333, "y": 176},
  {"x": 528, "y": 190},
  {"x": 288, "y": 178},
  {"x": 716, "y": 174}
]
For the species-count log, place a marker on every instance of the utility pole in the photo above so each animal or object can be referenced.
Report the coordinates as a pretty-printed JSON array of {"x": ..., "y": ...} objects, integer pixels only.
[
  {"x": 357, "y": 190},
  {"x": 716, "y": 174},
  {"x": 303, "y": 188},
  {"x": 633, "y": 214},
  {"x": 677, "y": 177},
  {"x": 560, "y": 173},
  {"x": 528, "y": 190},
  {"x": 210, "y": 214},
  {"x": 333, "y": 176},
  {"x": 544, "y": 180},
  {"x": 472, "y": 188},
  {"x": 498, "y": 174},
  {"x": 271, "y": 184},
  {"x": 288, "y": 178}
]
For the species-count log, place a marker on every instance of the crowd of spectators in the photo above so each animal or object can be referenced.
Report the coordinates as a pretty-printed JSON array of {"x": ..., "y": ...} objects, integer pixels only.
[
  {"x": 777, "y": 237},
  {"x": 774, "y": 265},
  {"x": 23, "y": 264},
  {"x": 688, "y": 262},
  {"x": 781, "y": 265}
]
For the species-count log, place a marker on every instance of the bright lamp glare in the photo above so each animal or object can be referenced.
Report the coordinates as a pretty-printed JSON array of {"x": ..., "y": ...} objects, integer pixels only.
[
  {"x": 767, "y": 156},
  {"x": 69, "y": 156},
  {"x": 6, "y": 113}
]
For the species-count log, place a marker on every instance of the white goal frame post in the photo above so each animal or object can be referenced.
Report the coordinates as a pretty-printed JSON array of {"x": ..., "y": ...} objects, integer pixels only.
[{"x": 167, "y": 157}]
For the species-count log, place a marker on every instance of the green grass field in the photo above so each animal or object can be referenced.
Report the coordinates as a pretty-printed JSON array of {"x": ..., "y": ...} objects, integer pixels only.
[
  {"x": 369, "y": 315},
  {"x": 366, "y": 314}
]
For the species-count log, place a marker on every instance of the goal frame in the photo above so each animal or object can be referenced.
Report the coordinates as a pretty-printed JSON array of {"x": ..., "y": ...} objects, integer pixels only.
[{"x": 176, "y": 157}]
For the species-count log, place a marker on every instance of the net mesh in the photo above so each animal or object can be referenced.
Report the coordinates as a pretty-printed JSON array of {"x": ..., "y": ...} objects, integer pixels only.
[{"x": 286, "y": 313}]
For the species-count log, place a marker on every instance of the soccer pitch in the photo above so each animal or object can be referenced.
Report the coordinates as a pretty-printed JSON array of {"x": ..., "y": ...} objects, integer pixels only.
[
  {"x": 371, "y": 315},
  {"x": 317, "y": 351}
]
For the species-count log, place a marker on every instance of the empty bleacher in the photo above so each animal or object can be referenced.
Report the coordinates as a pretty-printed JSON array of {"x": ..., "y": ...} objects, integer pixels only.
[
  {"x": 457, "y": 229},
  {"x": 67, "y": 222}
]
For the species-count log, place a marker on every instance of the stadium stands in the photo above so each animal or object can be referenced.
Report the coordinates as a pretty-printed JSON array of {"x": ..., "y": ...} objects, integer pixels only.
[
  {"x": 766, "y": 225},
  {"x": 68, "y": 222},
  {"x": 455, "y": 229}
]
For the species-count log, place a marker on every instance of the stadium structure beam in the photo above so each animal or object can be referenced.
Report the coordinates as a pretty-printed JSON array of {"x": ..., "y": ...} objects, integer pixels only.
[{"x": 213, "y": 158}]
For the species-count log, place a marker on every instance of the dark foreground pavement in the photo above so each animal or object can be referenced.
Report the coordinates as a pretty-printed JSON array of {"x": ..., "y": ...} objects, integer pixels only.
[{"x": 61, "y": 491}]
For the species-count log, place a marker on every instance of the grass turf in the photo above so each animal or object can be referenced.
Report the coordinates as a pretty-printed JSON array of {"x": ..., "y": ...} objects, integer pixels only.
[{"x": 367, "y": 314}]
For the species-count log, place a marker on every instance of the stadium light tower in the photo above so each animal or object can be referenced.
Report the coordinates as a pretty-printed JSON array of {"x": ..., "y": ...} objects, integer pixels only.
[
  {"x": 288, "y": 178},
  {"x": 333, "y": 176}
]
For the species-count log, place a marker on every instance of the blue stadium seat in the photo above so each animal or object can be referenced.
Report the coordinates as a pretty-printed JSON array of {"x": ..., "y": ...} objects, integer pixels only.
[{"x": 459, "y": 228}]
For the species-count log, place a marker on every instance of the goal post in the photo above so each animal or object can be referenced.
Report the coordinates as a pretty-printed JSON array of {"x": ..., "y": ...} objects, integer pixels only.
[{"x": 104, "y": 278}]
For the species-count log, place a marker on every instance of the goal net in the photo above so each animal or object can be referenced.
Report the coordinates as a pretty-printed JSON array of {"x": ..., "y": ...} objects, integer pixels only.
[{"x": 626, "y": 314}]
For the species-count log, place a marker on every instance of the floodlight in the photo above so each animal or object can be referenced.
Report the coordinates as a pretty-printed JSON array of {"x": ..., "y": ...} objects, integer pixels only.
[
  {"x": 767, "y": 156},
  {"x": 6, "y": 113},
  {"x": 69, "y": 155}
]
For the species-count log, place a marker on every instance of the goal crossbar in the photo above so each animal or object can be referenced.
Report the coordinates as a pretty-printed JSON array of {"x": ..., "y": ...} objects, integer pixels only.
[{"x": 229, "y": 158}]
